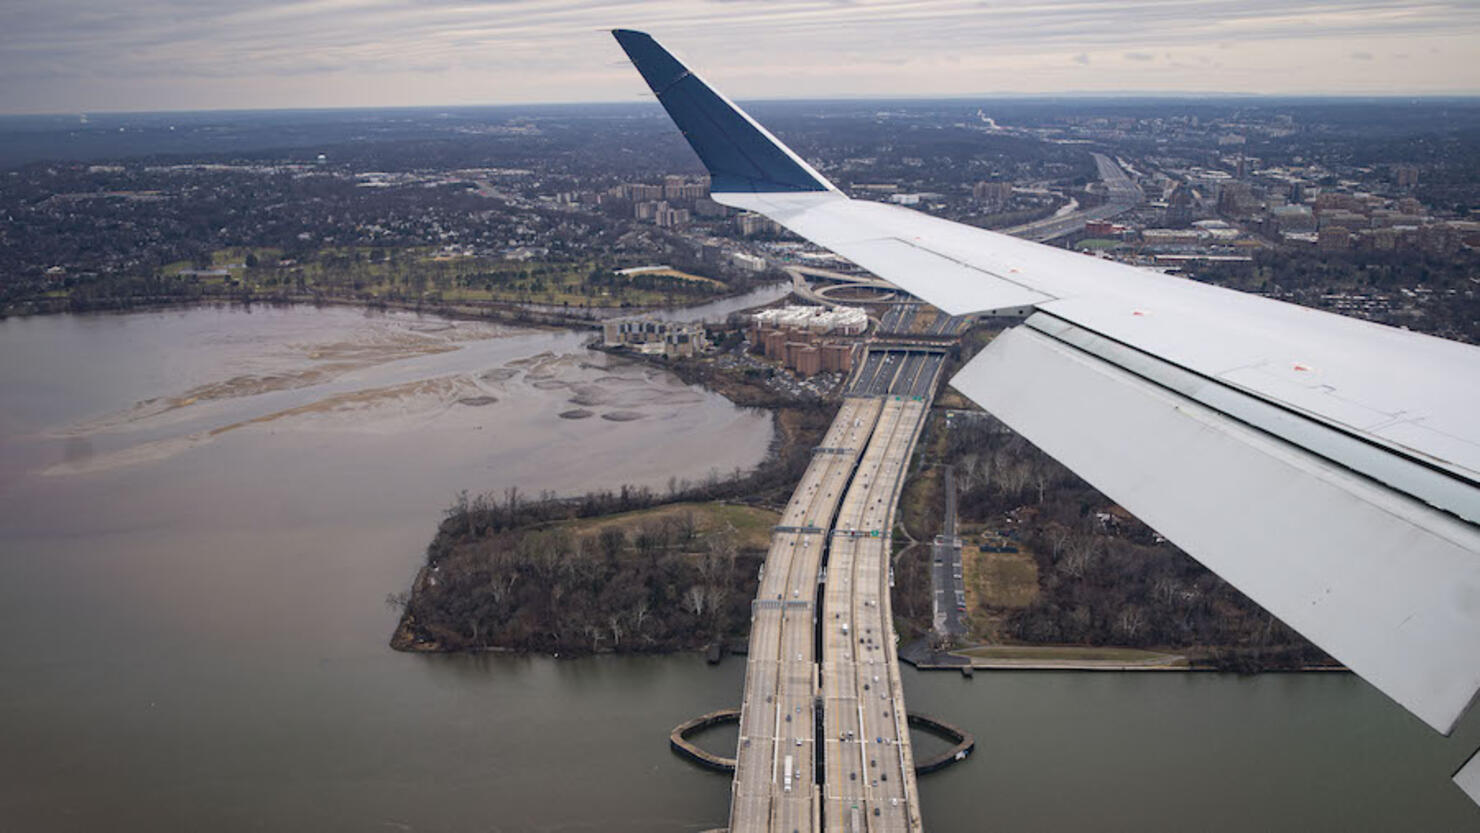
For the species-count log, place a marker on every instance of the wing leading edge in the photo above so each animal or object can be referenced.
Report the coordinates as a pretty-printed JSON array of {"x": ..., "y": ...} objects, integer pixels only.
[{"x": 1328, "y": 467}]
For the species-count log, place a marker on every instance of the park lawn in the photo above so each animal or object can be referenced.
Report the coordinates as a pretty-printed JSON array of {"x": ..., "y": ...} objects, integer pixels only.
[
  {"x": 236, "y": 255},
  {"x": 996, "y": 584},
  {"x": 1097, "y": 244},
  {"x": 999, "y": 579},
  {"x": 685, "y": 276},
  {"x": 1064, "y": 653}
]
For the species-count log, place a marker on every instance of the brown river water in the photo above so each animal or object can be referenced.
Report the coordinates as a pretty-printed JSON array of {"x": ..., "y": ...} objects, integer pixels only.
[{"x": 202, "y": 511}]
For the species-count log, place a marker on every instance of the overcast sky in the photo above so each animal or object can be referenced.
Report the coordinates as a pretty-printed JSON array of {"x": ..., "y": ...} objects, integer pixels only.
[{"x": 95, "y": 55}]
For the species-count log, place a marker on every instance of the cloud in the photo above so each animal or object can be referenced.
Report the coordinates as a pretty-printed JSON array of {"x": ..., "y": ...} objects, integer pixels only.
[
  {"x": 1362, "y": 56},
  {"x": 195, "y": 53}
]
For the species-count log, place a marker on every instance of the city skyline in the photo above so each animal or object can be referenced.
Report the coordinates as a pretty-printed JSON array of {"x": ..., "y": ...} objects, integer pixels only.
[{"x": 93, "y": 56}]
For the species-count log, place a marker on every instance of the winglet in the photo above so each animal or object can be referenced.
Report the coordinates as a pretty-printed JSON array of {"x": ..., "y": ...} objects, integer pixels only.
[{"x": 739, "y": 153}]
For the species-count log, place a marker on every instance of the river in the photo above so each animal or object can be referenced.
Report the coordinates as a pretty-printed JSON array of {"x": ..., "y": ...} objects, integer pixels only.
[{"x": 202, "y": 511}]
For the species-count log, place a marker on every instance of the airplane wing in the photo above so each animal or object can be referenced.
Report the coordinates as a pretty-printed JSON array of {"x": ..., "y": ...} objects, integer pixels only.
[{"x": 1327, "y": 467}]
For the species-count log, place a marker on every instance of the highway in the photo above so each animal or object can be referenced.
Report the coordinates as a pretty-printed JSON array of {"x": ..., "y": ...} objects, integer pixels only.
[
  {"x": 839, "y": 518},
  {"x": 897, "y": 372},
  {"x": 777, "y": 718},
  {"x": 1122, "y": 194},
  {"x": 870, "y": 772}
]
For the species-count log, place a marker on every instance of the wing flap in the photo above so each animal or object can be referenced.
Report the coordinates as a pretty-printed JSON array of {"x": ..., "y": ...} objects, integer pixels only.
[
  {"x": 1384, "y": 583},
  {"x": 1468, "y": 778}
]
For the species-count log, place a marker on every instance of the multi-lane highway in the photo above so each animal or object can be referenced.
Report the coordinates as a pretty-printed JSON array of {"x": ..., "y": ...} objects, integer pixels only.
[
  {"x": 897, "y": 372},
  {"x": 777, "y": 717},
  {"x": 1121, "y": 192},
  {"x": 898, "y": 318},
  {"x": 870, "y": 776},
  {"x": 862, "y": 778}
]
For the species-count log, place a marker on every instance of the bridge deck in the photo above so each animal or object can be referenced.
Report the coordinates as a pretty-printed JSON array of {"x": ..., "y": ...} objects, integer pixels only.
[{"x": 867, "y": 769}]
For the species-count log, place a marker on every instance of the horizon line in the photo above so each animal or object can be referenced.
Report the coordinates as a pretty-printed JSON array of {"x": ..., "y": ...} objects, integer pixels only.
[{"x": 1169, "y": 95}]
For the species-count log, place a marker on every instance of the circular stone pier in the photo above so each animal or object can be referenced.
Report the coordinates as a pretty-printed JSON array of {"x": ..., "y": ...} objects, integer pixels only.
[{"x": 678, "y": 741}]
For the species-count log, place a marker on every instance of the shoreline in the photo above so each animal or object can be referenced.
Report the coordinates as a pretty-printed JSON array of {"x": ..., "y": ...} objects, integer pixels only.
[
  {"x": 502, "y": 312},
  {"x": 1029, "y": 657},
  {"x": 798, "y": 425}
]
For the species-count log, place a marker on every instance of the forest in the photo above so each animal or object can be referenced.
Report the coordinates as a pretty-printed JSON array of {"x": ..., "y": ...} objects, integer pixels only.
[{"x": 1105, "y": 578}]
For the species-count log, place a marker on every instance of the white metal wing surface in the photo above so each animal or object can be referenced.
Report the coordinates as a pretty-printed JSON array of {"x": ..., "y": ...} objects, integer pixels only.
[{"x": 1327, "y": 467}]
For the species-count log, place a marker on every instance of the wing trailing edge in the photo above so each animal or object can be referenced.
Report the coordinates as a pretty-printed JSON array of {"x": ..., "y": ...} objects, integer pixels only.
[{"x": 1386, "y": 583}]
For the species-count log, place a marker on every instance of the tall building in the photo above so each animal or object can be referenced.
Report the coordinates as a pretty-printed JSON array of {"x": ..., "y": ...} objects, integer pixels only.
[
  {"x": 673, "y": 339},
  {"x": 1333, "y": 239},
  {"x": 992, "y": 195},
  {"x": 837, "y": 358},
  {"x": 752, "y": 224},
  {"x": 1179, "y": 207},
  {"x": 807, "y": 361},
  {"x": 774, "y": 342}
]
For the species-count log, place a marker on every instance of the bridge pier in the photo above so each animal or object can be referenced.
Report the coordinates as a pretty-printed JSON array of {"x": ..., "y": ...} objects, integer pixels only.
[{"x": 678, "y": 741}]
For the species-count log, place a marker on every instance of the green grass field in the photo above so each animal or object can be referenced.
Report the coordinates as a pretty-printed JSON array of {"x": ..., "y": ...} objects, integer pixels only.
[{"x": 1068, "y": 654}]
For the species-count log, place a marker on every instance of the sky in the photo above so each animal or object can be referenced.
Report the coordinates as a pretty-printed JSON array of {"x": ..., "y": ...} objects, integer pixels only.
[{"x": 77, "y": 56}]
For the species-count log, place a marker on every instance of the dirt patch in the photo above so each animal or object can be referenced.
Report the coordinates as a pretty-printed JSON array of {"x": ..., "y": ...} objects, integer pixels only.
[
  {"x": 440, "y": 388},
  {"x": 477, "y": 401},
  {"x": 997, "y": 584},
  {"x": 751, "y": 525},
  {"x": 623, "y": 416},
  {"x": 577, "y": 413},
  {"x": 1000, "y": 579}
]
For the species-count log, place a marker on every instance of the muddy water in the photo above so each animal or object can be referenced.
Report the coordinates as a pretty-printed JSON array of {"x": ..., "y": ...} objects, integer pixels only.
[{"x": 201, "y": 513}]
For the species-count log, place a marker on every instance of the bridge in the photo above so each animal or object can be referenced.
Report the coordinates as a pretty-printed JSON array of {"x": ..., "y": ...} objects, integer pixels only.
[{"x": 824, "y": 734}]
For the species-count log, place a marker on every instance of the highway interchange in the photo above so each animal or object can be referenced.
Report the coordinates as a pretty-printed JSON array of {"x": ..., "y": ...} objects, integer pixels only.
[{"x": 1121, "y": 193}]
